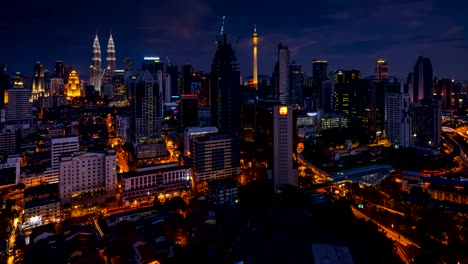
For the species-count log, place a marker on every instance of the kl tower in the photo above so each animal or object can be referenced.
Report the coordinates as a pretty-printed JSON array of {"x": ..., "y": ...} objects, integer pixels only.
[{"x": 255, "y": 43}]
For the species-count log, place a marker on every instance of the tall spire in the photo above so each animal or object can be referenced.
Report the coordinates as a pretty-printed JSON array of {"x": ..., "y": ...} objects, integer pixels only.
[
  {"x": 111, "y": 55},
  {"x": 96, "y": 65},
  {"x": 255, "y": 44}
]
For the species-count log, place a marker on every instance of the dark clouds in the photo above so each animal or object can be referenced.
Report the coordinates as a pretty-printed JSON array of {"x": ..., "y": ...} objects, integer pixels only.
[{"x": 349, "y": 34}]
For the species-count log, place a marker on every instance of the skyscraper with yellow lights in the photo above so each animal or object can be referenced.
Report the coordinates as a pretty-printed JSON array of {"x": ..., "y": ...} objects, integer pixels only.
[
  {"x": 95, "y": 68},
  {"x": 73, "y": 87}
]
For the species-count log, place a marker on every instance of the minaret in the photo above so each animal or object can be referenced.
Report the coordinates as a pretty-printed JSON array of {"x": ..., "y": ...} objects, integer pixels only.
[
  {"x": 110, "y": 56},
  {"x": 95, "y": 68},
  {"x": 255, "y": 43}
]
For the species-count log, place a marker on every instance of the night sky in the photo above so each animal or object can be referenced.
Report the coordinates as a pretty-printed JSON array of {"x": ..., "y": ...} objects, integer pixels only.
[{"x": 349, "y": 34}]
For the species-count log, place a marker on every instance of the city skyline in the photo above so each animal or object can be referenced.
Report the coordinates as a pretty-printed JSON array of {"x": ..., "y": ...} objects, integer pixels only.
[{"x": 347, "y": 36}]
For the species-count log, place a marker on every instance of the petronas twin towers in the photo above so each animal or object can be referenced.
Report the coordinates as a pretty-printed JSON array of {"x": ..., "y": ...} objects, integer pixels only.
[{"x": 96, "y": 73}]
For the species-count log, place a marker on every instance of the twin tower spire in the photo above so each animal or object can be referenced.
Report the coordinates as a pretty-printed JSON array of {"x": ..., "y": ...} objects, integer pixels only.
[{"x": 96, "y": 73}]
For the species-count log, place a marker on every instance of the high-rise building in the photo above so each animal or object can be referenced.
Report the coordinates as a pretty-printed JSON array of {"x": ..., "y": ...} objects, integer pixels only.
[
  {"x": 145, "y": 108},
  {"x": 283, "y": 74},
  {"x": 225, "y": 90},
  {"x": 174, "y": 74},
  {"x": 73, "y": 87},
  {"x": 214, "y": 157},
  {"x": 398, "y": 121},
  {"x": 18, "y": 107},
  {"x": 283, "y": 166},
  {"x": 191, "y": 132},
  {"x": 4, "y": 85},
  {"x": 381, "y": 69},
  {"x": 255, "y": 70},
  {"x": 110, "y": 56},
  {"x": 56, "y": 86},
  {"x": 319, "y": 74},
  {"x": 152, "y": 65},
  {"x": 186, "y": 80},
  {"x": 10, "y": 171},
  {"x": 188, "y": 110},
  {"x": 145, "y": 120},
  {"x": 423, "y": 81},
  {"x": 95, "y": 68},
  {"x": 445, "y": 93},
  {"x": 59, "y": 69},
  {"x": 342, "y": 90},
  {"x": 128, "y": 64},
  {"x": 60, "y": 146},
  {"x": 82, "y": 174},
  {"x": 38, "y": 81},
  {"x": 426, "y": 125},
  {"x": 296, "y": 79}
]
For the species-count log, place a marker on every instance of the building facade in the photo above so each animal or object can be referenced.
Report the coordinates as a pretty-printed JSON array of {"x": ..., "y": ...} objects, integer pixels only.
[{"x": 61, "y": 146}]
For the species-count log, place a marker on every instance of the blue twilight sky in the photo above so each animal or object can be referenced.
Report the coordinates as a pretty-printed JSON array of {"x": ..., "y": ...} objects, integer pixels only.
[{"x": 349, "y": 34}]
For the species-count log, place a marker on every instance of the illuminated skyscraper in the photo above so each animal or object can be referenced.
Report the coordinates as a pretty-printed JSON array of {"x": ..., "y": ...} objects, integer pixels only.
[
  {"x": 381, "y": 69},
  {"x": 283, "y": 74},
  {"x": 73, "y": 87},
  {"x": 255, "y": 44},
  {"x": 110, "y": 56},
  {"x": 95, "y": 68},
  {"x": 38, "y": 81},
  {"x": 283, "y": 167}
]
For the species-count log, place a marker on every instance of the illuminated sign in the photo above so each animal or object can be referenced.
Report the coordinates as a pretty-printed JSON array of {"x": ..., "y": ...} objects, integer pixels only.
[
  {"x": 340, "y": 73},
  {"x": 151, "y": 58},
  {"x": 283, "y": 110}
]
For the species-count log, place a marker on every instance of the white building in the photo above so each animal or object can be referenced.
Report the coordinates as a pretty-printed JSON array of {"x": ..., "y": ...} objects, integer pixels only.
[
  {"x": 283, "y": 170},
  {"x": 84, "y": 174},
  {"x": 191, "y": 132},
  {"x": 398, "y": 123},
  {"x": 153, "y": 181},
  {"x": 10, "y": 171},
  {"x": 214, "y": 157},
  {"x": 61, "y": 146},
  {"x": 33, "y": 179}
]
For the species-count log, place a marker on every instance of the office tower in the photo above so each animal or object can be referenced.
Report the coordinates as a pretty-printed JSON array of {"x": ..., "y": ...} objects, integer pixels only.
[
  {"x": 10, "y": 141},
  {"x": 188, "y": 110},
  {"x": 18, "y": 108},
  {"x": 398, "y": 121},
  {"x": 145, "y": 108},
  {"x": 422, "y": 82},
  {"x": 174, "y": 74},
  {"x": 152, "y": 65},
  {"x": 255, "y": 44},
  {"x": 186, "y": 80},
  {"x": 10, "y": 171},
  {"x": 296, "y": 79},
  {"x": 283, "y": 74},
  {"x": 145, "y": 120},
  {"x": 342, "y": 90},
  {"x": 283, "y": 167},
  {"x": 225, "y": 90},
  {"x": 95, "y": 68},
  {"x": 319, "y": 74},
  {"x": 214, "y": 157},
  {"x": 83, "y": 173},
  {"x": 381, "y": 69},
  {"x": 191, "y": 132},
  {"x": 38, "y": 81},
  {"x": 426, "y": 125},
  {"x": 61, "y": 146},
  {"x": 445, "y": 93},
  {"x": 56, "y": 86},
  {"x": 73, "y": 87},
  {"x": 110, "y": 56},
  {"x": 59, "y": 69}
]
